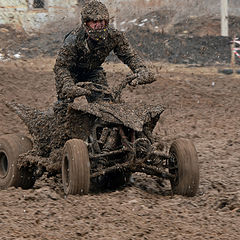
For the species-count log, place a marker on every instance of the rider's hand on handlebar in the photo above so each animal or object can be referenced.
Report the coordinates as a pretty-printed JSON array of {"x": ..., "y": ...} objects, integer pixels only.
[
  {"x": 143, "y": 76},
  {"x": 75, "y": 91},
  {"x": 81, "y": 91},
  {"x": 90, "y": 86}
]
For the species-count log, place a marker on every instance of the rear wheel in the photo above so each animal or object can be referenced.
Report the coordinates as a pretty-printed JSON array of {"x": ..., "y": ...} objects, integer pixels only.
[
  {"x": 75, "y": 167},
  {"x": 184, "y": 165},
  {"x": 11, "y": 146}
]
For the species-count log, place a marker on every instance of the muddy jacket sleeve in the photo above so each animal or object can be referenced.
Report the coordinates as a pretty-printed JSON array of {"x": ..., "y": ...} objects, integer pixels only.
[
  {"x": 127, "y": 54},
  {"x": 66, "y": 60}
]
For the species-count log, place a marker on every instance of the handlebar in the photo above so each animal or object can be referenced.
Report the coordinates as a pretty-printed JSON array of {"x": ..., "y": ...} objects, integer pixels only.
[
  {"x": 116, "y": 92},
  {"x": 111, "y": 94}
]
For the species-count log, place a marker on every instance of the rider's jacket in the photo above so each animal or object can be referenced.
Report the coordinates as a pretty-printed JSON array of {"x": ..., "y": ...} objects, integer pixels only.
[{"x": 80, "y": 56}]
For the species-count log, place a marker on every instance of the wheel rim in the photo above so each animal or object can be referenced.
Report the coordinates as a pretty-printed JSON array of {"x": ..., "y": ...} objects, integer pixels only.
[
  {"x": 66, "y": 172},
  {"x": 3, "y": 165}
]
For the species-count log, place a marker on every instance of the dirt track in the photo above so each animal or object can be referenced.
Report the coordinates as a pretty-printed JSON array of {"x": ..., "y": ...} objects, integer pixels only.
[{"x": 202, "y": 105}]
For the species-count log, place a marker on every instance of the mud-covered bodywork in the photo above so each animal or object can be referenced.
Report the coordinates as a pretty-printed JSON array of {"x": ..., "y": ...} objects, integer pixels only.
[
  {"x": 50, "y": 130},
  {"x": 133, "y": 117}
]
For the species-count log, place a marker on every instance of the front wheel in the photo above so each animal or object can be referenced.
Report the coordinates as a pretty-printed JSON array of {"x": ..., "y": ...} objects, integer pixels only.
[
  {"x": 11, "y": 146},
  {"x": 183, "y": 164},
  {"x": 75, "y": 167}
]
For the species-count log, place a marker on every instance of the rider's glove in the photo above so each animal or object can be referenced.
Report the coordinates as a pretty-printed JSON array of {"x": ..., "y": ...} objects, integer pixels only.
[
  {"x": 73, "y": 91},
  {"x": 143, "y": 76}
]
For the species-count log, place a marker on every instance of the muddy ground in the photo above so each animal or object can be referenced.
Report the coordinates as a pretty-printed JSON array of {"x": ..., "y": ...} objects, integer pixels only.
[{"x": 202, "y": 105}]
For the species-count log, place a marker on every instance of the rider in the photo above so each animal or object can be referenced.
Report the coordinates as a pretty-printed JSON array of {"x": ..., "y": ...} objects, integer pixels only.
[{"x": 86, "y": 48}]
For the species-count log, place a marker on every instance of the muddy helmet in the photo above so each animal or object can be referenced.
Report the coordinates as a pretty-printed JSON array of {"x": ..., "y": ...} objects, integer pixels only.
[{"x": 94, "y": 11}]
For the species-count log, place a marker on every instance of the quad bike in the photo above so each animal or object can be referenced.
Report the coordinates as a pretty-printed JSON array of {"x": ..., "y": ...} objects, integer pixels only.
[{"x": 98, "y": 145}]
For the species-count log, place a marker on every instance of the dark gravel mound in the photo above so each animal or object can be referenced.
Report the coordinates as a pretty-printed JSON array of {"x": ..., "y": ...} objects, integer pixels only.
[
  {"x": 179, "y": 45},
  {"x": 181, "y": 49},
  {"x": 205, "y": 25}
]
